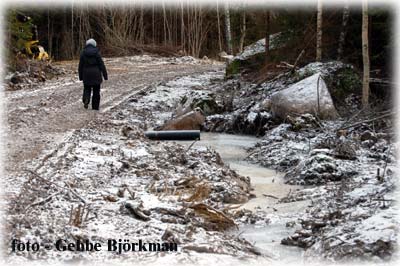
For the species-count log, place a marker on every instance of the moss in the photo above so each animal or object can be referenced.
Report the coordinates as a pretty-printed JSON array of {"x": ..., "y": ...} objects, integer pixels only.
[
  {"x": 208, "y": 105},
  {"x": 349, "y": 81},
  {"x": 305, "y": 74},
  {"x": 343, "y": 83},
  {"x": 233, "y": 68},
  {"x": 184, "y": 99}
]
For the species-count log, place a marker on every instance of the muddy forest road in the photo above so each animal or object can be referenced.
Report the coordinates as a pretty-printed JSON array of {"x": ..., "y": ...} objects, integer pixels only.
[{"x": 40, "y": 118}]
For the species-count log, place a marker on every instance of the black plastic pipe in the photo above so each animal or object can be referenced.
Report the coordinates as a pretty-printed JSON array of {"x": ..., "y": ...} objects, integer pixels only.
[{"x": 173, "y": 135}]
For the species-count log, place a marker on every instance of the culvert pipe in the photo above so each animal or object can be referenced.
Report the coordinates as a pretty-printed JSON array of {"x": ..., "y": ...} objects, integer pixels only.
[{"x": 173, "y": 135}]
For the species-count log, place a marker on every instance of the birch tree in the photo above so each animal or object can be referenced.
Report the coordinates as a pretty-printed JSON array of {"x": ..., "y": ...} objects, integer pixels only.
[
  {"x": 219, "y": 29},
  {"x": 267, "y": 34},
  {"x": 182, "y": 29},
  {"x": 319, "y": 31},
  {"x": 342, "y": 37},
  {"x": 228, "y": 34},
  {"x": 242, "y": 30},
  {"x": 365, "y": 53}
]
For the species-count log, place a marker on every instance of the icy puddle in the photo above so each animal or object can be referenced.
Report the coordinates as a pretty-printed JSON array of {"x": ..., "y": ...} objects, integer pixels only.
[{"x": 268, "y": 187}]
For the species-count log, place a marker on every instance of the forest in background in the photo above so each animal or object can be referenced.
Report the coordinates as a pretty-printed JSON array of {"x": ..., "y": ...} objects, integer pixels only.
[
  {"x": 296, "y": 96},
  {"x": 199, "y": 31},
  {"x": 315, "y": 33}
]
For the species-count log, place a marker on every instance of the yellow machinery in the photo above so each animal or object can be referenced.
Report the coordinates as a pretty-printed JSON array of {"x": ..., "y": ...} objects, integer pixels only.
[
  {"x": 33, "y": 49},
  {"x": 30, "y": 45}
]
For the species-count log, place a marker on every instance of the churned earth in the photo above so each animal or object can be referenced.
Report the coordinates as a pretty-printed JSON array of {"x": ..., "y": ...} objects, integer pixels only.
[
  {"x": 39, "y": 117},
  {"x": 77, "y": 174}
]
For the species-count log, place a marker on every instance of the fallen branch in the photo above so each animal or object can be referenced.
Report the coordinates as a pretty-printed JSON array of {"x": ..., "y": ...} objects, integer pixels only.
[
  {"x": 68, "y": 188},
  {"x": 75, "y": 193},
  {"x": 350, "y": 119},
  {"x": 285, "y": 65},
  {"x": 201, "y": 249},
  {"x": 190, "y": 146},
  {"x": 136, "y": 212},
  {"x": 386, "y": 162},
  {"x": 298, "y": 59},
  {"x": 270, "y": 196},
  {"x": 213, "y": 216},
  {"x": 370, "y": 120},
  {"x": 42, "y": 201}
]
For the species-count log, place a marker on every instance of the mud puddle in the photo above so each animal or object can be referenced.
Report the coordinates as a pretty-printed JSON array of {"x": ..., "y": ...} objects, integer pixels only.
[{"x": 268, "y": 187}]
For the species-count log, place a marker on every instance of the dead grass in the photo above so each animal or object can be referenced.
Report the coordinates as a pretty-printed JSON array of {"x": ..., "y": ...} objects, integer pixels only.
[
  {"x": 201, "y": 192},
  {"x": 216, "y": 220}
]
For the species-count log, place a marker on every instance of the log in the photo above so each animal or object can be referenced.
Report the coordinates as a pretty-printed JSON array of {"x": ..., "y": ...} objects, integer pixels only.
[{"x": 136, "y": 212}]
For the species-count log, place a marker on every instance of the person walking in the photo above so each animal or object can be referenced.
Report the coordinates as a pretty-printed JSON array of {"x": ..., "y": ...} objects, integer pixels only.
[{"x": 91, "y": 71}]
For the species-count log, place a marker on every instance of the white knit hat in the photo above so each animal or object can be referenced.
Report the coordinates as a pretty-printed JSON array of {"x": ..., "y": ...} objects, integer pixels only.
[{"x": 92, "y": 42}]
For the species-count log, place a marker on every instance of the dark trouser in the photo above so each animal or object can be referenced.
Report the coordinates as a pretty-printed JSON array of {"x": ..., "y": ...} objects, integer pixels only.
[{"x": 87, "y": 91}]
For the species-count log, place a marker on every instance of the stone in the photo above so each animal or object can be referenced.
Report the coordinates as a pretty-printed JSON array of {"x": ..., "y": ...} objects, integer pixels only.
[
  {"x": 207, "y": 104},
  {"x": 368, "y": 135},
  {"x": 193, "y": 120},
  {"x": 302, "y": 98},
  {"x": 19, "y": 77}
]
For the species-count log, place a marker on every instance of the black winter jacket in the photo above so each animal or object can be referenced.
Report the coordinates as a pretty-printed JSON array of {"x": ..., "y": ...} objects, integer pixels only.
[{"x": 91, "y": 66}]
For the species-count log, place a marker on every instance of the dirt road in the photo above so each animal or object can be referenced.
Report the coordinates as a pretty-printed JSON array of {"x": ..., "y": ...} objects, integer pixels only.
[
  {"x": 40, "y": 118},
  {"x": 82, "y": 158}
]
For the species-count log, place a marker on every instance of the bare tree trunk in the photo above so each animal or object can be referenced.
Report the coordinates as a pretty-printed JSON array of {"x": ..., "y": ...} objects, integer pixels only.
[
  {"x": 48, "y": 32},
  {"x": 183, "y": 29},
  {"x": 242, "y": 30},
  {"x": 228, "y": 34},
  {"x": 365, "y": 53},
  {"x": 72, "y": 32},
  {"x": 141, "y": 25},
  {"x": 267, "y": 34},
  {"x": 319, "y": 31},
  {"x": 342, "y": 38},
  {"x": 164, "y": 23},
  {"x": 219, "y": 29},
  {"x": 153, "y": 26}
]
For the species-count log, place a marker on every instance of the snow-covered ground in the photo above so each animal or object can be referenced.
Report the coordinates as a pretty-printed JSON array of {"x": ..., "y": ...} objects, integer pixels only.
[
  {"x": 106, "y": 180},
  {"x": 259, "y": 47},
  {"x": 349, "y": 175},
  {"x": 103, "y": 179}
]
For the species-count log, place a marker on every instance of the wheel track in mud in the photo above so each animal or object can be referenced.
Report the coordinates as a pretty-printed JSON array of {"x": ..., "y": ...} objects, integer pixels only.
[{"x": 40, "y": 119}]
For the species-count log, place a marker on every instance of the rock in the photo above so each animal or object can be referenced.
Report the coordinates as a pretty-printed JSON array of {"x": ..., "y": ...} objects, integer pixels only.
[
  {"x": 368, "y": 135},
  {"x": 301, "y": 98},
  {"x": 318, "y": 169},
  {"x": 125, "y": 131},
  {"x": 224, "y": 56},
  {"x": 20, "y": 77},
  {"x": 189, "y": 121},
  {"x": 235, "y": 198},
  {"x": 136, "y": 210},
  {"x": 342, "y": 80},
  {"x": 110, "y": 198},
  {"x": 259, "y": 47},
  {"x": 345, "y": 149},
  {"x": 302, "y": 122},
  {"x": 301, "y": 238},
  {"x": 290, "y": 224},
  {"x": 367, "y": 143},
  {"x": 252, "y": 54},
  {"x": 207, "y": 105},
  {"x": 170, "y": 236},
  {"x": 205, "y": 101},
  {"x": 218, "y": 123},
  {"x": 266, "y": 105}
]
